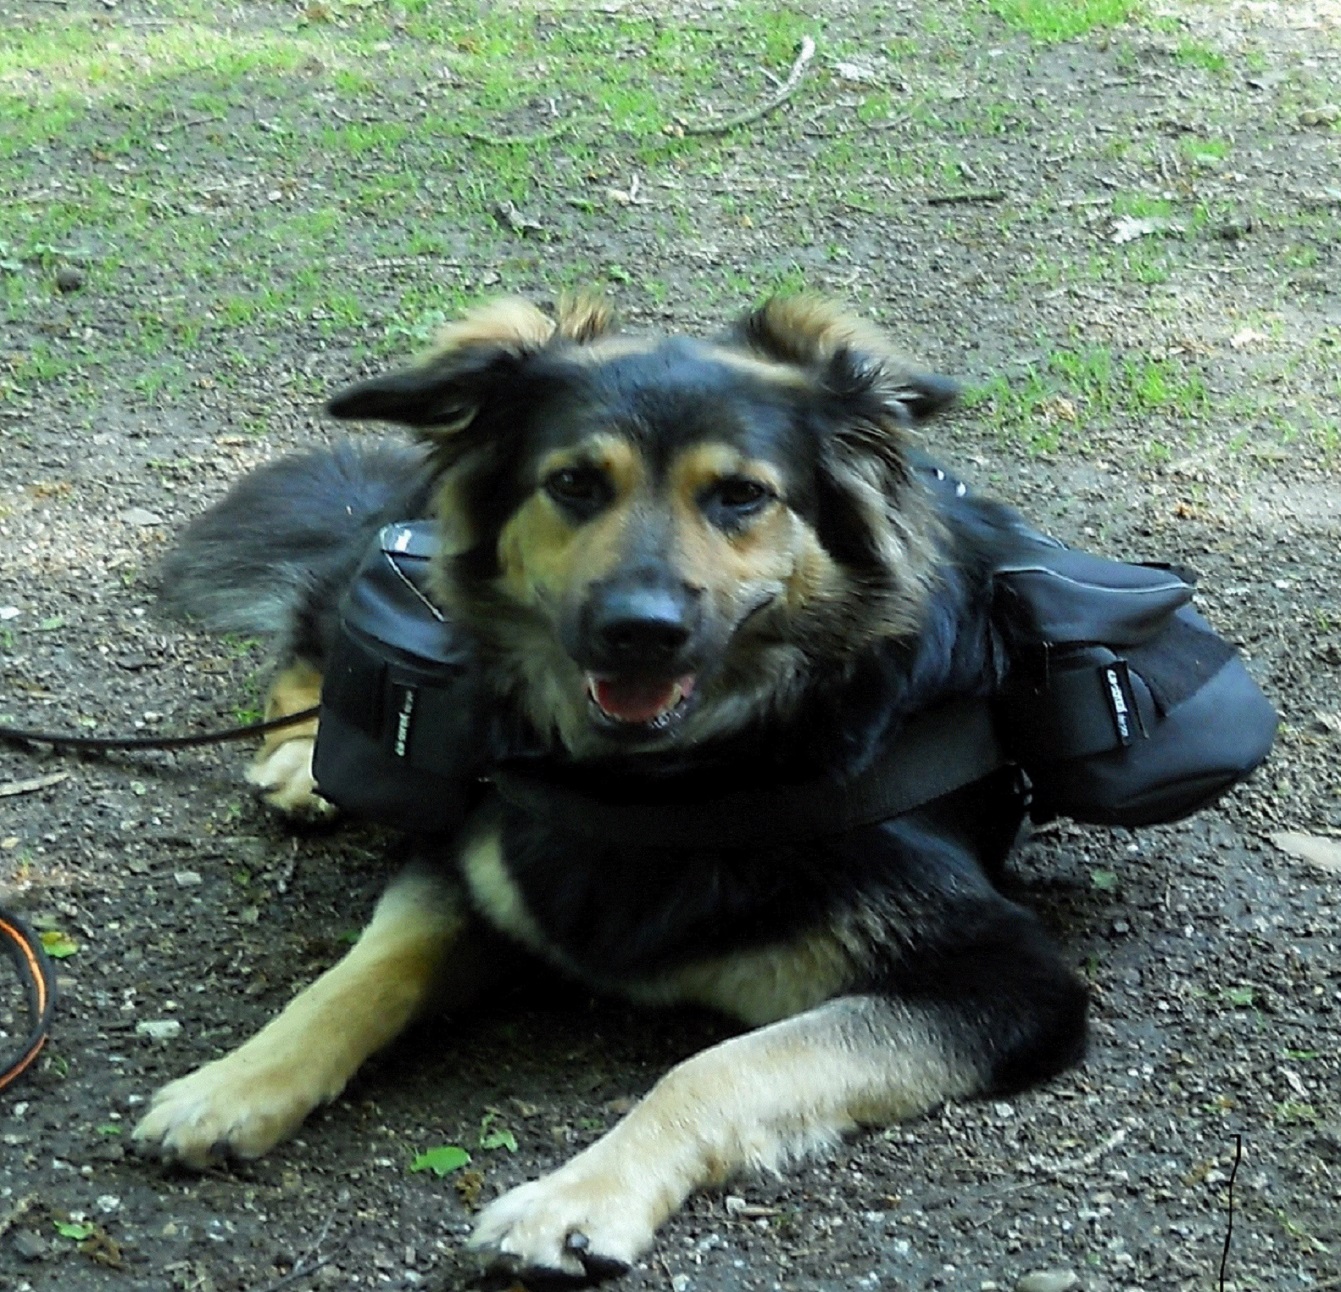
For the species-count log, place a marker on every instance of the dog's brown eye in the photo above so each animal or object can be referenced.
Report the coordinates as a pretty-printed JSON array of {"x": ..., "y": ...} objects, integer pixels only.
[
  {"x": 580, "y": 489},
  {"x": 737, "y": 493}
]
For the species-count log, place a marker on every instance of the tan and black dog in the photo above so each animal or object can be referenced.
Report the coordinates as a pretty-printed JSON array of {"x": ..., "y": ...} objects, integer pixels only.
[{"x": 691, "y": 570}]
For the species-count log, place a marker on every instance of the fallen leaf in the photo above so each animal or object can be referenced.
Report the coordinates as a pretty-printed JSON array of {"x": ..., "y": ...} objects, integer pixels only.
[
  {"x": 1318, "y": 850},
  {"x": 442, "y": 1160},
  {"x": 58, "y": 945}
]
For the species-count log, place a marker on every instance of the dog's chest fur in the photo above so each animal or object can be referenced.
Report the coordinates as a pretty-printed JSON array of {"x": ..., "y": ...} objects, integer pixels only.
[{"x": 756, "y": 980}]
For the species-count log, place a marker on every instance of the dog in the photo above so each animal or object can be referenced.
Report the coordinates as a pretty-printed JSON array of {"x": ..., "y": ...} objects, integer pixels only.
[{"x": 692, "y": 570}]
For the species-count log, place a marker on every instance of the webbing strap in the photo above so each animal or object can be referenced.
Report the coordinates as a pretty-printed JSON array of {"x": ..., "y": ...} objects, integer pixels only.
[{"x": 936, "y": 753}]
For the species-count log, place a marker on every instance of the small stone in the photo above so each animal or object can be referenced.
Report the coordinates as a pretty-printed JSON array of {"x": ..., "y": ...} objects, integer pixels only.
[
  {"x": 159, "y": 1029},
  {"x": 1049, "y": 1281},
  {"x": 141, "y": 516},
  {"x": 29, "y": 1246},
  {"x": 69, "y": 278},
  {"x": 187, "y": 878},
  {"x": 1325, "y": 114}
]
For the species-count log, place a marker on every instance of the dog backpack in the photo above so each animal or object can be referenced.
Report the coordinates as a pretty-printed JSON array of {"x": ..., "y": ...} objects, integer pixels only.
[
  {"x": 396, "y": 735},
  {"x": 1121, "y": 706}
]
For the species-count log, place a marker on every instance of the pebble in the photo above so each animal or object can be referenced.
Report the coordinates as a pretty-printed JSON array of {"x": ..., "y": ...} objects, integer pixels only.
[
  {"x": 29, "y": 1246},
  {"x": 1049, "y": 1281},
  {"x": 159, "y": 1029},
  {"x": 69, "y": 279},
  {"x": 1325, "y": 114},
  {"x": 141, "y": 516}
]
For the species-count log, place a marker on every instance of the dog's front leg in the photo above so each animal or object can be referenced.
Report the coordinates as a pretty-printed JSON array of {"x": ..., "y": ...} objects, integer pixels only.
[
  {"x": 282, "y": 768},
  {"x": 754, "y": 1101},
  {"x": 418, "y": 950}
]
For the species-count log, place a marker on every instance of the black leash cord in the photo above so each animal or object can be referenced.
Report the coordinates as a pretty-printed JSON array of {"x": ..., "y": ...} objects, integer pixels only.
[
  {"x": 157, "y": 742},
  {"x": 39, "y": 986}
]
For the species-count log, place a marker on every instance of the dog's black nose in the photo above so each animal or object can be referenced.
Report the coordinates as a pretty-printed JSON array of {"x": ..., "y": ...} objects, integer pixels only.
[{"x": 632, "y": 626}]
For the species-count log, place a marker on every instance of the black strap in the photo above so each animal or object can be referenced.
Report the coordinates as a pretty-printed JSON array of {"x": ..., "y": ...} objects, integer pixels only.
[
  {"x": 39, "y": 987},
  {"x": 64, "y": 741},
  {"x": 936, "y": 753}
]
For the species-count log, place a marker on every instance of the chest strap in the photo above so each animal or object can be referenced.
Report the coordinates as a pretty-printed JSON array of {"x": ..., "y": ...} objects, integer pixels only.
[{"x": 937, "y": 752}]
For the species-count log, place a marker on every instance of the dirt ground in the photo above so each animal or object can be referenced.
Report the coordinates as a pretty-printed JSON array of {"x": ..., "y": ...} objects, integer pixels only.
[{"x": 1128, "y": 241}]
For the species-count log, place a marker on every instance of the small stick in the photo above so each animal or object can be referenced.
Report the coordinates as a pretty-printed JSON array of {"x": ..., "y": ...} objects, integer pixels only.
[
  {"x": 299, "y": 1271},
  {"x": 1229, "y": 1226},
  {"x": 788, "y": 88},
  {"x": 973, "y": 195},
  {"x": 305, "y": 1264},
  {"x": 507, "y": 141},
  {"x": 10, "y": 788}
]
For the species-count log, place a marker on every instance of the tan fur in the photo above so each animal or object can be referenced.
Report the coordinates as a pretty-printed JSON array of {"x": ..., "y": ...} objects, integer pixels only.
[
  {"x": 762, "y": 369},
  {"x": 583, "y": 316},
  {"x": 702, "y": 465},
  {"x": 545, "y": 559},
  {"x": 752, "y": 1102},
  {"x": 759, "y": 986},
  {"x": 509, "y": 323},
  {"x": 740, "y": 567},
  {"x": 807, "y": 329},
  {"x": 492, "y": 888},
  {"x": 282, "y": 769},
  {"x": 246, "y": 1102}
]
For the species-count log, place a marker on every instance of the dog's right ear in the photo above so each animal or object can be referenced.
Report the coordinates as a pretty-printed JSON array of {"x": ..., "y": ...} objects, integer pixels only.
[
  {"x": 443, "y": 392},
  {"x": 471, "y": 359}
]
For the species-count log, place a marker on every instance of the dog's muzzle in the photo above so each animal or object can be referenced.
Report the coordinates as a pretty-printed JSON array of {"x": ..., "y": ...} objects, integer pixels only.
[{"x": 638, "y": 640}]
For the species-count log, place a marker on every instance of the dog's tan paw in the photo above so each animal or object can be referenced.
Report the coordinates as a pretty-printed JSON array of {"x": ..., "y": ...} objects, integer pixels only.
[
  {"x": 231, "y": 1108},
  {"x": 283, "y": 777},
  {"x": 579, "y": 1222}
]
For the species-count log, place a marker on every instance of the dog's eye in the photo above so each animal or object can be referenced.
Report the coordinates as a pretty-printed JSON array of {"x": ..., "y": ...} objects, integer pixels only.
[
  {"x": 737, "y": 496},
  {"x": 580, "y": 489}
]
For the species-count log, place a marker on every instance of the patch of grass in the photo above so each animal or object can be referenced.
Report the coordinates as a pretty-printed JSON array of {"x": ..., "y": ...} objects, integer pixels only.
[
  {"x": 1203, "y": 152},
  {"x": 1051, "y": 21},
  {"x": 1194, "y": 54},
  {"x": 1055, "y": 400}
]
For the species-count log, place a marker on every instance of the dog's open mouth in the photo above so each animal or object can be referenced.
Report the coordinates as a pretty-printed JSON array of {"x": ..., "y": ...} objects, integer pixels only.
[{"x": 639, "y": 703}]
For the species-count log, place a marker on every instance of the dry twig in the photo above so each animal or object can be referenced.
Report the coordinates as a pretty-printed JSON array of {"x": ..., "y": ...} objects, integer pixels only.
[
  {"x": 10, "y": 788},
  {"x": 784, "y": 92}
]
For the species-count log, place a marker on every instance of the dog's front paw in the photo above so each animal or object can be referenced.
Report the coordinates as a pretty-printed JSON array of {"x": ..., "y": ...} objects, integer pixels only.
[
  {"x": 283, "y": 777},
  {"x": 579, "y": 1222},
  {"x": 231, "y": 1108}
]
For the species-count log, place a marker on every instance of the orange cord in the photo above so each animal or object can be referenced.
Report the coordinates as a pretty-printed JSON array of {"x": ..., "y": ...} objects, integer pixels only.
[{"x": 33, "y": 964}]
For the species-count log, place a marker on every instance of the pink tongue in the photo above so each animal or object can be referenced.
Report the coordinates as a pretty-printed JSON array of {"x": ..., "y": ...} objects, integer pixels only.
[{"x": 637, "y": 700}]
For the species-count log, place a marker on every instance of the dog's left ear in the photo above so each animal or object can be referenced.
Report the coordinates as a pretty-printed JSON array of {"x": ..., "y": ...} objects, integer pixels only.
[{"x": 851, "y": 358}]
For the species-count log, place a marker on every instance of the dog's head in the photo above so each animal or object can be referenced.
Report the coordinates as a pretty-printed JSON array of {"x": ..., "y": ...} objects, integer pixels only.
[{"x": 660, "y": 540}]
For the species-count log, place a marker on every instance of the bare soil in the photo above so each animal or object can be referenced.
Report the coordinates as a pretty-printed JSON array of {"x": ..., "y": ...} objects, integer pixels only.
[{"x": 1215, "y": 957}]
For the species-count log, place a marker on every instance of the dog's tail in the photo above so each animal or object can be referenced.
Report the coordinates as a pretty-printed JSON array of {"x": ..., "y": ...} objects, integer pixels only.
[{"x": 286, "y": 537}]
